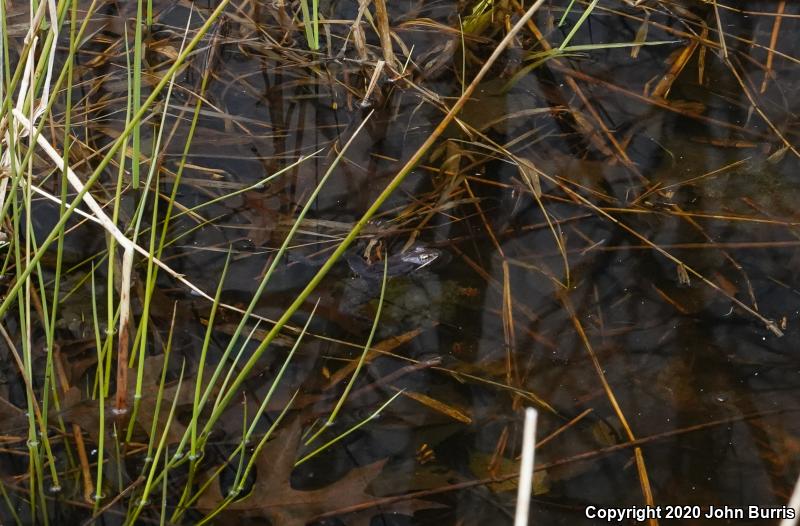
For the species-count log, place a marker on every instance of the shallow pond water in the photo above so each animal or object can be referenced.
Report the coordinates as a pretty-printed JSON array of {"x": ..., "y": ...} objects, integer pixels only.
[{"x": 623, "y": 259}]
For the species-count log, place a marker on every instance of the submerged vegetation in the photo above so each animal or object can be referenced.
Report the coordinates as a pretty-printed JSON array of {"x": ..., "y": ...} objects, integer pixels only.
[{"x": 308, "y": 262}]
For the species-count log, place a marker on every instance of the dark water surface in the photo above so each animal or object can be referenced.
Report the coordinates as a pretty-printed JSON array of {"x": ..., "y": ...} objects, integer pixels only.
[{"x": 709, "y": 390}]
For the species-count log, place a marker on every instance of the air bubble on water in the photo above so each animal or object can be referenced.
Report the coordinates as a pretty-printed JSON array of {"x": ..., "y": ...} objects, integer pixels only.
[
  {"x": 117, "y": 411},
  {"x": 54, "y": 489},
  {"x": 93, "y": 453}
]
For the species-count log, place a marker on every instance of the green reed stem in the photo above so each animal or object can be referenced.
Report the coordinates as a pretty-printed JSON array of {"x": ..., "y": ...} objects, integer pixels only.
[
  {"x": 361, "y": 359},
  {"x": 6, "y": 303},
  {"x": 353, "y": 429},
  {"x": 372, "y": 210}
]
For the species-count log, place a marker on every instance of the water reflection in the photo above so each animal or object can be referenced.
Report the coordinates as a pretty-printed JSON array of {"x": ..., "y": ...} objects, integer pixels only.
[{"x": 606, "y": 246}]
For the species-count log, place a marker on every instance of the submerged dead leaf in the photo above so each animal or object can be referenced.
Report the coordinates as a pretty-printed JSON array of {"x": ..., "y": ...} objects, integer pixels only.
[
  {"x": 85, "y": 413},
  {"x": 480, "y": 463},
  {"x": 688, "y": 106},
  {"x": 273, "y": 497}
]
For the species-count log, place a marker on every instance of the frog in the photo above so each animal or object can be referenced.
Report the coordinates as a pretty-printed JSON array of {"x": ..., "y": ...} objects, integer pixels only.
[
  {"x": 398, "y": 264},
  {"x": 415, "y": 295}
]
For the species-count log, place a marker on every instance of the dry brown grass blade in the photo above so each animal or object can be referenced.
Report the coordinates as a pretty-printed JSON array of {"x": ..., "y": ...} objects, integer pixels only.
[
  {"x": 385, "y": 32},
  {"x": 641, "y": 468},
  {"x": 555, "y": 230},
  {"x": 383, "y": 347},
  {"x": 760, "y": 112},
  {"x": 77, "y": 433},
  {"x": 373, "y": 82},
  {"x": 440, "y": 407},
  {"x": 661, "y": 90},
  {"x": 108, "y": 224},
  {"x": 121, "y": 397},
  {"x": 385, "y": 501},
  {"x": 590, "y": 134},
  {"x": 393, "y": 343},
  {"x": 659, "y": 103},
  {"x": 735, "y": 264},
  {"x": 448, "y": 194},
  {"x": 641, "y": 35},
  {"x": 509, "y": 333},
  {"x": 702, "y": 215},
  {"x": 526, "y": 311},
  {"x": 563, "y": 428},
  {"x": 669, "y": 299},
  {"x": 701, "y": 61},
  {"x": 698, "y": 246},
  {"x": 706, "y": 42},
  {"x": 769, "y": 324},
  {"x": 530, "y": 175},
  {"x": 723, "y": 46},
  {"x": 359, "y": 39},
  {"x": 773, "y": 41},
  {"x": 498, "y": 456},
  {"x": 712, "y": 173},
  {"x": 118, "y": 497},
  {"x": 484, "y": 220}
]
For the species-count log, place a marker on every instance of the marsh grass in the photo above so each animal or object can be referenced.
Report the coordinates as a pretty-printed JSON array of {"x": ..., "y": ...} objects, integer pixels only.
[
  {"x": 118, "y": 351},
  {"x": 113, "y": 346},
  {"x": 311, "y": 23},
  {"x": 141, "y": 457}
]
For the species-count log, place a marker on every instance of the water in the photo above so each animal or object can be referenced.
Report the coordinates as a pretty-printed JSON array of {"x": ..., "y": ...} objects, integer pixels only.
[{"x": 707, "y": 389}]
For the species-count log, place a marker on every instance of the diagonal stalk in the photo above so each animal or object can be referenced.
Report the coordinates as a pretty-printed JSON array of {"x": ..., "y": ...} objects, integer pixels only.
[{"x": 384, "y": 195}]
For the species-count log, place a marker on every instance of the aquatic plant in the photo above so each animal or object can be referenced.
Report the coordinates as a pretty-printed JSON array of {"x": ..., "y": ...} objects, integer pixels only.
[{"x": 203, "y": 317}]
